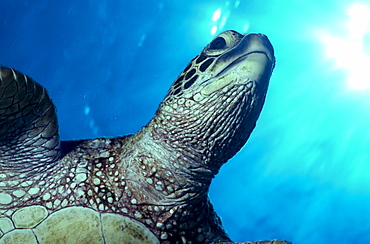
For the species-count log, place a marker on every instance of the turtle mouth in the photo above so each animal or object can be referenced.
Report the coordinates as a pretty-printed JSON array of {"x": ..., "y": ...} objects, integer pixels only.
[
  {"x": 241, "y": 59},
  {"x": 251, "y": 67}
]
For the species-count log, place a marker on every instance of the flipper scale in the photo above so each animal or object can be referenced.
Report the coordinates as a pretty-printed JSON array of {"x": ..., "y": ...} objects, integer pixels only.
[{"x": 28, "y": 122}]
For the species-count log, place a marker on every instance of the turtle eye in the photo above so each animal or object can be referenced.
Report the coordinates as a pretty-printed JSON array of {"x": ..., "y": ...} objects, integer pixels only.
[{"x": 218, "y": 43}]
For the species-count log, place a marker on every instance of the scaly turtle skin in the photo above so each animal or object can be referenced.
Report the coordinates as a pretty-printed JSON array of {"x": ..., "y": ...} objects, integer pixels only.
[{"x": 151, "y": 187}]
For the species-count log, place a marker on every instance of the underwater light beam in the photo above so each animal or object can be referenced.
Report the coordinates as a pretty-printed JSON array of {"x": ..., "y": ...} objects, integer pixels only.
[
  {"x": 348, "y": 51},
  {"x": 215, "y": 17}
]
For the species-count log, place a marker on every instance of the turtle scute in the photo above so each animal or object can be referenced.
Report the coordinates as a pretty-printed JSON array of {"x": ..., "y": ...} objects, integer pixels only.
[{"x": 75, "y": 225}]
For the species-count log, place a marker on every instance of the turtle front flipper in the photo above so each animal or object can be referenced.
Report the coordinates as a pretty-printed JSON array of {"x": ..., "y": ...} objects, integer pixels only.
[{"x": 29, "y": 135}]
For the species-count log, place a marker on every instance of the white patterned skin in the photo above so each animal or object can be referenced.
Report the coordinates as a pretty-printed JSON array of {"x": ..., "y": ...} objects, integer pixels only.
[{"x": 151, "y": 187}]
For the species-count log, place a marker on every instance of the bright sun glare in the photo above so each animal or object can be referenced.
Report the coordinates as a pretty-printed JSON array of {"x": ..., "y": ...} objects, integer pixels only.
[{"x": 348, "y": 50}]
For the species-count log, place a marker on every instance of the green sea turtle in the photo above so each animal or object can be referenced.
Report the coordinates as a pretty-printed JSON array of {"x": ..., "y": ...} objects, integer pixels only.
[{"x": 150, "y": 187}]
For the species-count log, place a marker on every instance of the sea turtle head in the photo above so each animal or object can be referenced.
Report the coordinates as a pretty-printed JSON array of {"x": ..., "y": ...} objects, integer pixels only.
[
  {"x": 230, "y": 59},
  {"x": 212, "y": 107}
]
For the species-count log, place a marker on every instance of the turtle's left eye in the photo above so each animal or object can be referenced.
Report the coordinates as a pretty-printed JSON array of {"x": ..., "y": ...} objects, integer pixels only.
[{"x": 218, "y": 43}]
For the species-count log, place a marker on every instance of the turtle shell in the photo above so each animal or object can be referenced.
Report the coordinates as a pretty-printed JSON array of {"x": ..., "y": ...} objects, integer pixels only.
[{"x": 34, "y": 225}]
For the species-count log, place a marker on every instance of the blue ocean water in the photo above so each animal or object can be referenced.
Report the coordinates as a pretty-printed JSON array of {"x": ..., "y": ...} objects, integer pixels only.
[{"x": 303, "y": 176}]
